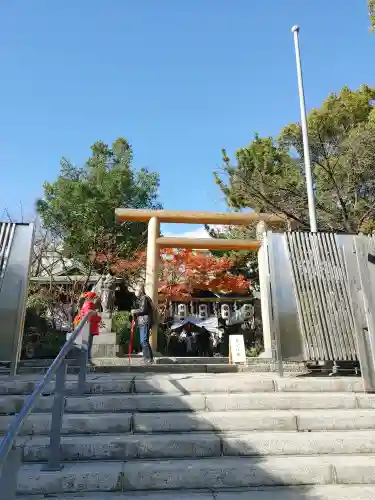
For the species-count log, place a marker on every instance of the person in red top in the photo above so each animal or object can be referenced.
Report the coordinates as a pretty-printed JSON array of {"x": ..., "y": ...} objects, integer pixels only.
[{"x": 90, "y": 304}]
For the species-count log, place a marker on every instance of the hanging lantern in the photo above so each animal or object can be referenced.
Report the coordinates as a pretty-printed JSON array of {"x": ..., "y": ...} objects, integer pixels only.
[
  {"x": 247, "y": 312},
  {"x": 182, "y": 311},
  {"x": 225, "y": 311},
  {"x": 203, "y": 311}
]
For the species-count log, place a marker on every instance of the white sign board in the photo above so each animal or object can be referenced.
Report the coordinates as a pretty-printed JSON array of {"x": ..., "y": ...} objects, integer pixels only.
[
  {"x": 237, "y": 352},
  {"x": 83, "y": 336}
]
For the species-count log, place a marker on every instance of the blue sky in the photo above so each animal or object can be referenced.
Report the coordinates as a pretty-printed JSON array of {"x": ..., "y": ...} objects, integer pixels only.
[{"x": 179, "y": 79}]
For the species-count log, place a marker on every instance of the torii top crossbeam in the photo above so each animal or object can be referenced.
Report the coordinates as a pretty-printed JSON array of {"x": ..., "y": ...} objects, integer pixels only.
[{"x": 195, "y": 217}]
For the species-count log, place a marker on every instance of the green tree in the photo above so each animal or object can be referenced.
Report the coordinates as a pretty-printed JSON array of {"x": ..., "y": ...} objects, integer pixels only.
[
  {"x": 371, "y": 9},
  {"x": 79, "y": 207},
  {"x": 268, "y": 175}
]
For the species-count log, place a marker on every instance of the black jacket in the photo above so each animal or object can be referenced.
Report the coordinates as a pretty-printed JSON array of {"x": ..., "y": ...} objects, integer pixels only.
[{"x": 144, "y": 313}]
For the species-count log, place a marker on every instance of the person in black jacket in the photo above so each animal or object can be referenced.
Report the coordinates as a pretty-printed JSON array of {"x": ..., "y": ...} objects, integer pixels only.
[{"x": 144, "y": 319}]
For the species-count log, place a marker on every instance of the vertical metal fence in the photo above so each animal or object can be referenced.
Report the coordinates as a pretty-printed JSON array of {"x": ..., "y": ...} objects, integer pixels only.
[
  {"x": 6, "y": 238},
  {"x": 322, "y": 296},
  {"x": 321, "y": 292}
]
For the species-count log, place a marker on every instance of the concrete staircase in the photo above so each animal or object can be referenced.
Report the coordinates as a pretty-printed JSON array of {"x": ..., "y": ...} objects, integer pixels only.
[{"x": 201, "y": 436}]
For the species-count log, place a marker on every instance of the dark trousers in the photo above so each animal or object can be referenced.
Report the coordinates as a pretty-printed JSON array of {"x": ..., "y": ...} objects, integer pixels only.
[{"x": 144, "y": 337}]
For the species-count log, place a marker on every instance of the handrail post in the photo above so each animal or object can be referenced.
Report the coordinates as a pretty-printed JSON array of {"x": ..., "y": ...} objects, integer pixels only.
[
  {"x": 9, "y": 473},
  {"x": 54, "y": 458},
  {"x": 82, "y": 370},
  {"x": 83, "y": 359}
]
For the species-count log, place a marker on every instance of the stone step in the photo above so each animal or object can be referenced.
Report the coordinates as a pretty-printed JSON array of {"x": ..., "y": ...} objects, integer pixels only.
[
  {"x": 40, "y": 424},
  {"x": 211, "y": 474},
  {"x": 198, "y": 445},
  {"x": 194, "y": 402},
  {"x": 187, "y": 384},
  {"x": 245, "y": 383},
  {"x": 21, "y": 386},
  {"x": 139, "y": 367},
  {"x": 336, "y": 492},
  {"x": 223, "y": 360},
  {"x": 275, "y": 420},
  {"x": 216, "y": 360},
  {"x": 282, "y": 420}
]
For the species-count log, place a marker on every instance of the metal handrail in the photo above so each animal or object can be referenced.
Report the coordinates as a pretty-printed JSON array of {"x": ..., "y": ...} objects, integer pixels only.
[{"x": 8, "y": 441}]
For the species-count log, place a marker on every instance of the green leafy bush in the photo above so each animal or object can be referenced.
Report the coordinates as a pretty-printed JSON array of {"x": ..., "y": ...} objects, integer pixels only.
[
  {"x": 255, "y": 350},
  {"x": 120, "y": 319},
  {"x": 121, "y": 324}
]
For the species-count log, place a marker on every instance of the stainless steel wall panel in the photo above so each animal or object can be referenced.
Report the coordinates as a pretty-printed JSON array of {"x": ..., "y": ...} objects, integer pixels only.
[{"x": 16, "y": 248}]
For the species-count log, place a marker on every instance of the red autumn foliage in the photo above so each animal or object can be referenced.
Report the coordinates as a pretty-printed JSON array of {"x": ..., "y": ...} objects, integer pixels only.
[{"x": 183, "y": 271}]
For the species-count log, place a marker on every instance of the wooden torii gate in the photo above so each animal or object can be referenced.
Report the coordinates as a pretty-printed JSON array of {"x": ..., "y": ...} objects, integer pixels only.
[{"x": 155, "y": 242}]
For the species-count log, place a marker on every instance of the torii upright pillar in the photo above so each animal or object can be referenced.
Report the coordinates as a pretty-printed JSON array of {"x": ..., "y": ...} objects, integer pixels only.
[{"x": 152, "y": 271}]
